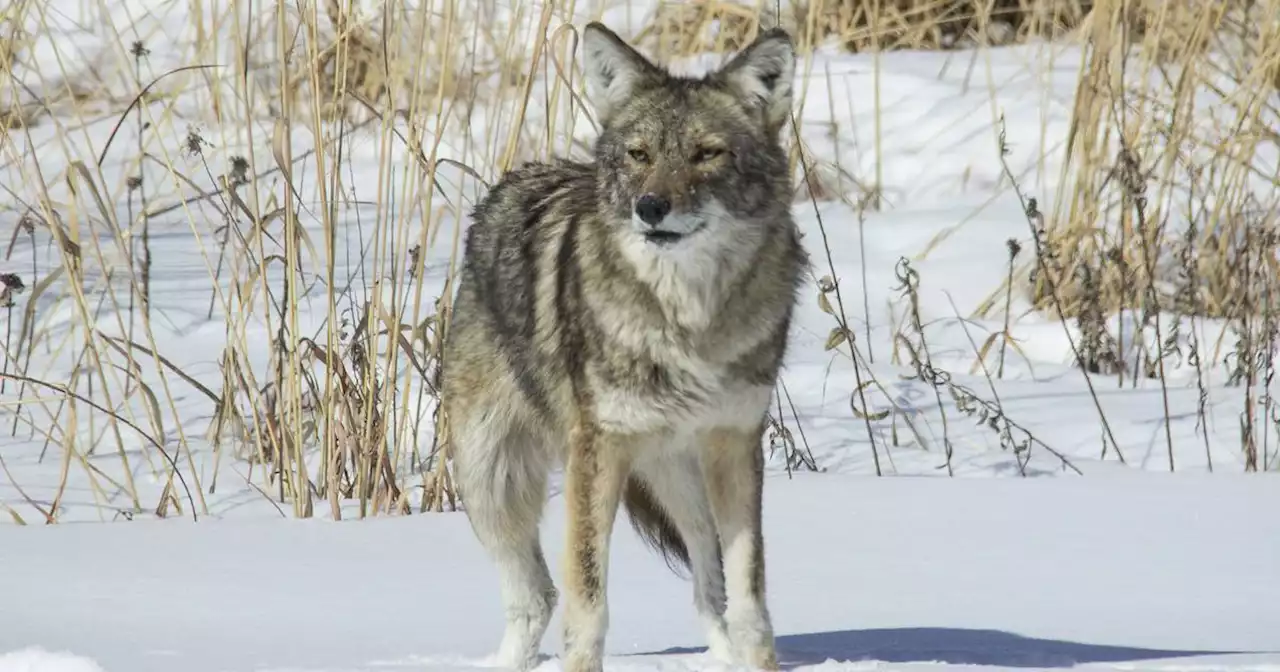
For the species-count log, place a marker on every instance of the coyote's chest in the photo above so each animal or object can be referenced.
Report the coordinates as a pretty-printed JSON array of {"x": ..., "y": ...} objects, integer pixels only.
[
  {"x": 664, "y": 361},
  {"x": 672, "y": 389}
]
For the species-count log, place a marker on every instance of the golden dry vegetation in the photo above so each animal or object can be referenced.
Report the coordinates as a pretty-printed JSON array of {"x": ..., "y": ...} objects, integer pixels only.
[{"x": 1163, "y": 204}]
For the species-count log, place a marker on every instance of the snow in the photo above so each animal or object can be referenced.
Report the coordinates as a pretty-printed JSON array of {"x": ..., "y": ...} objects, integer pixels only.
[
  {"x": 1117, "y": 570},
  {"x": 35, "y": 659},
  {"x": 1046, "y": 549}
]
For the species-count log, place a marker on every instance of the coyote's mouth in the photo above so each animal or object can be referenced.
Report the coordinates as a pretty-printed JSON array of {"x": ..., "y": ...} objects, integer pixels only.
[{"x": 664, "y": 238}]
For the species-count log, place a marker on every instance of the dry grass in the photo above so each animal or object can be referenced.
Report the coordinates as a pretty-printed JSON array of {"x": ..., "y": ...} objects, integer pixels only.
[
  {"x": 1182, "y": 130},
  {"x": 864, "y": 25},
  {"x": 343, "y": 412}
]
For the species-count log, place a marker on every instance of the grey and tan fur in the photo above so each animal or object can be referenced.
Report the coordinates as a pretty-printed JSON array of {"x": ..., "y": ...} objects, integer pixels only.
[{"x": 628, "y": 317}]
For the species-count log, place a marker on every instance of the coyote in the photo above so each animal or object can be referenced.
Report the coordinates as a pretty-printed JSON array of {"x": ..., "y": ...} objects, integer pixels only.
[{"x": 627, "y": 317}]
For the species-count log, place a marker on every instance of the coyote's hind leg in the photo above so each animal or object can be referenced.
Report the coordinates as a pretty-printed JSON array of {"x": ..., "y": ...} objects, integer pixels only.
[
  {"x": 502, "y": 475},
  {"x": 675, "y": 482}
]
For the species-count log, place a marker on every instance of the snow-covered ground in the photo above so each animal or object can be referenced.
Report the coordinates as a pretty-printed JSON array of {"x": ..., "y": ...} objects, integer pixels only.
[
  {"x": 1116, "y": 571},
  {"x": 1099, "y": 559}
]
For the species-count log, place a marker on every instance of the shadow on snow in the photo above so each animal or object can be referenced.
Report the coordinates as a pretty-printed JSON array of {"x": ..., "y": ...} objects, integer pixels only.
[{"x": 953, "y": 646}]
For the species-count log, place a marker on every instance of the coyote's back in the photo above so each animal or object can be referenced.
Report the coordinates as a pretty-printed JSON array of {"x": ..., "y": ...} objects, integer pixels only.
[{"x": 628, "y": 317}]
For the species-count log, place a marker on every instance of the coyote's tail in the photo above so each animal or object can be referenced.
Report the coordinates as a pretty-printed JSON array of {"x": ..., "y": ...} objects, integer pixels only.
[{"x": 654, "y": 526}]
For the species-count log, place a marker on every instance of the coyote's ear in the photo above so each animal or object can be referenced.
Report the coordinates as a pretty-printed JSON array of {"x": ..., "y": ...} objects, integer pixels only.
[
  {"x": 762, "y": 74},
  {"x": 614, "y": 69}
]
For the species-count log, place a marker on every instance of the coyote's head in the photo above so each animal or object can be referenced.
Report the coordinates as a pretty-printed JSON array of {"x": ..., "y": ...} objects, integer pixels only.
[{"x": 686, "y": 158}]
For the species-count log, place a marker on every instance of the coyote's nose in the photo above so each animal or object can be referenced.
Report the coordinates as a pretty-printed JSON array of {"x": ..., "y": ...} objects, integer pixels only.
[{"x": 652, "y": 208}]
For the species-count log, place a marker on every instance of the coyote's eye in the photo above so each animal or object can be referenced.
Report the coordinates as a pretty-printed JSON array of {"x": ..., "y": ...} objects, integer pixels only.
[
  {"x": 638, "y": 155},
  {"x": 707, "y": 154}
]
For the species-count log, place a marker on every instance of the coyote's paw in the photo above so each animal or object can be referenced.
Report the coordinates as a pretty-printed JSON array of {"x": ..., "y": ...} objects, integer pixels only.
[
  {"x": 719, "y": 646},
  {"x": 752, "y": 643},
  {"x": 519, "y": 648},
  {"x": 513, "y": 660}
]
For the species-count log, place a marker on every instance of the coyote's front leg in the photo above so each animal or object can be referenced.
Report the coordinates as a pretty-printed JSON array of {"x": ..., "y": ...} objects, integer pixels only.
[
  {"x": 595, "y": 472},
  {"x": 733, "y": 466}
]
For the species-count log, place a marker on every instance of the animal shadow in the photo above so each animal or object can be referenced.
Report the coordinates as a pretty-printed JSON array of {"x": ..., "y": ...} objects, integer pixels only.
[{"x": 954, "y": 646}]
